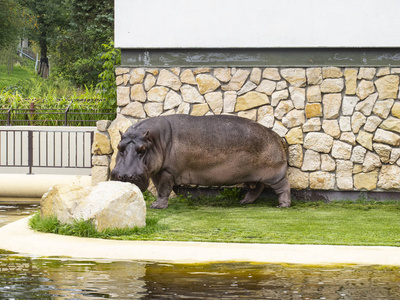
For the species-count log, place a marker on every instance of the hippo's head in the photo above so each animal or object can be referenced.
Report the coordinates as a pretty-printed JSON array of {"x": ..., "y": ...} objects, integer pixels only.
[{"x": 132, "y": 160}]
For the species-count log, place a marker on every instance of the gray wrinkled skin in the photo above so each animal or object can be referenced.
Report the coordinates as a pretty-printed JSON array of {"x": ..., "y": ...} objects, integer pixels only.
[{"x": 207, "y": 151}]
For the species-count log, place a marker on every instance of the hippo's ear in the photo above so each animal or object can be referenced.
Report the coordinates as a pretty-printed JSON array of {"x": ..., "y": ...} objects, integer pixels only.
[{"x": 146, "y": 135}]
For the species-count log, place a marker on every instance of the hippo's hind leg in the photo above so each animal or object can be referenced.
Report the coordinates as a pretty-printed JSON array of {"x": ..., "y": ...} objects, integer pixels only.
[
  {"x": 164, "y": 183},
  {"x": 253, "y": 191},
  {"x": 282, "y": 189}
]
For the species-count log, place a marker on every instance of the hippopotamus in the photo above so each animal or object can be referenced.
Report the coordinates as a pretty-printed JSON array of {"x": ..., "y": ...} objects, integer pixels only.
[{"x": 217, "y": 150}]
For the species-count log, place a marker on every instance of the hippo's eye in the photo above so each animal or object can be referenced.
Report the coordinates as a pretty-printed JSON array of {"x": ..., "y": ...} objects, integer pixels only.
[{"x": 141, "y": 149}]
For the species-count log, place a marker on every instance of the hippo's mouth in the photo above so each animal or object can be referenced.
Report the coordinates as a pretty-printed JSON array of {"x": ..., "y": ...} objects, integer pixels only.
[{"x": 141, "y": 181}]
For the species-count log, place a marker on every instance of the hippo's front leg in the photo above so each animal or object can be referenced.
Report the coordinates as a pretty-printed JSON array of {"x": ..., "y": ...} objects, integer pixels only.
[{"x": 164, "y": 183}]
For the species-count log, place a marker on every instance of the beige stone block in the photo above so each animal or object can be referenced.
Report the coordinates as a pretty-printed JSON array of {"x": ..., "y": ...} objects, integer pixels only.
[
  {"x": 314, "y": 76},
  {"x": 294, "y": 136},
  {"x": 100, "y": 174},
  {"x": 247, "y": 87},
  {"x": 366, "y": 181},
  {"x": 183, "y": 108},
  {"x": 103, "y": 125},
  {"x": 295, "y": 155},
  {"x": 295, "y": 76},
  {"x": 200, "y": 109},
  {"x": 365, "y": 139},
  {"x": 394, "y": 156},
  {"x": 389, "y": 177},
  {"x": 331, "y": 127},
  {"x": 344, "y": 174},
  {"x": 191, "y": 95},
  {"x": 138, "y": 93},
  {"x": 388, "y": 87},
  {"x": 383, "y": 151},
  {"x": 137, "y": 76},
  {"x": 251, "y": 100},
  {"x": 176, "y": 70},
  {"x": 230, "y": 98},
  {"x": 345, "y": 123},
  {"x": 322, "y": 181},
  {"x": 392, "y": 124},
  {"x": 317, "y": 141},
  {"x": 172, "y": 100},
  {"x": 332, "y": 85},
  {"x": 327, "y": 163},
  {"x": 271, "y": 73},
  {"x": 371, "y": 162},
  {"x": 313, "y": 110},
  {"x": 207, "y": 83},
  {"x": 298, "y": 180},
  {"x": 120, "y": 71},
  {"x": 152, "y": 71},
  {"x": 278, "y": 96},
  {"x": 349, "y": 103},
  {"x": 201, "y": 70},
  {"x": 331, "y": 72},
  {"x": 348, "y": 137},
  {"x": 396, "y": 110},
  {"x": 255, "y": 75},
  {"x": 266, "y": 87},
  {"x": 313, "y": 124},
  {"x": 314, "y": 94},
  {"x": 157, "y": 94},
  {"x": 311, "y": 161},
  {"x": 237, "y": 81},
  {"x": 101, "y": 144},
  {"x": 358, "y": 154},
  {"x": 366, "y": 73},
  {"x": 386, "y": 137},
  {"x": 364, "y": 89},
  {"x": 281, "y": 85},
  {"x": 341, "y": 150},
  {"x": 119, "y": 80},
  {"x": 134, "y": 109},
  {"x": 101, "y": 160},
  {"x": 298, "y": 96},
  {"x": 123, "y": 95},
  {"x": 188, "y": 77},
  {"x": 283, "y": 108},
  {"x": 367, "y": 105},
  {"x": 357, "y": 169},
  {"x": 350, "y": 76},
  {"x": 382, "y": 108},
  {"x": 153, "y": 109},
  {"x": 383, "y": 71},
  {"x": 266, "y": 116},
  {"x": 372, "y": 123},
  {"x": 280, "y": 129},
  {"x": 357, "y": 121},
  {"x": 331, "y": 105},
  {"x": 149, "y": 82},
  {"x": 294, "y": 118},
  {"x": 249, "y": 114},
  {"x": 215, "y": 102}
]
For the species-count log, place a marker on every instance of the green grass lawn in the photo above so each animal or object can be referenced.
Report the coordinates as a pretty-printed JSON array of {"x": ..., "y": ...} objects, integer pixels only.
[
  {"x": 19, "y": 74},
  {"x": 202, "y": 220}
]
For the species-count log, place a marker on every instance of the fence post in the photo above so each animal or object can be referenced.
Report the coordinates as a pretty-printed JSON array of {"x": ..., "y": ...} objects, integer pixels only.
[
  {"x": 30, "y": 151},
  {"x": 9, "y": 117},
  {"x": 66, "y": 115},
  {"x": 31, "y": 112}
]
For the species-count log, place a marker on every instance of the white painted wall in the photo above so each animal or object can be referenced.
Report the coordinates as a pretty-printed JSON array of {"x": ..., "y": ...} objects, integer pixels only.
[{"x": 256, "y": 23}]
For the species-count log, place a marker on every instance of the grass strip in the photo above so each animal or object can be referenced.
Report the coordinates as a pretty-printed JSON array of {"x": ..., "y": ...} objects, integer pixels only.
[{"x": 221, "y": 219}]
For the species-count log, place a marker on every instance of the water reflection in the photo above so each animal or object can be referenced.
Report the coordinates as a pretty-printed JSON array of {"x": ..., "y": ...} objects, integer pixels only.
[
  {"x": 34, "y": 278},
  {"x": 30, "y": 278}
]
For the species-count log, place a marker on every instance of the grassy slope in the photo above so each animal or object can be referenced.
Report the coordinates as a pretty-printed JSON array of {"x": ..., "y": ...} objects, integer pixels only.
[
  {"x": 19, "y": 74},
  {"x": 339, "y": 223}
]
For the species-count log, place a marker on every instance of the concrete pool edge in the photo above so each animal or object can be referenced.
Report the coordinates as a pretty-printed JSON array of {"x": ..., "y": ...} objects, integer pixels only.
[{"x": 17, "y": 237}]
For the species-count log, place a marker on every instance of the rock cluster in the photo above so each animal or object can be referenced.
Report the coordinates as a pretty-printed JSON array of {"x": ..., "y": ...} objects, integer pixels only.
[
  {"x": 107, "y": 205},
  {"x": 342, "y": 124}
]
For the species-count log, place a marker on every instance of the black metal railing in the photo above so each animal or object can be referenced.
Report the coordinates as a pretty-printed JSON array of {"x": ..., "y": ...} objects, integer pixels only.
[
  {"x": 45, "y": 149},
  {"x": 53, "y": 116}
]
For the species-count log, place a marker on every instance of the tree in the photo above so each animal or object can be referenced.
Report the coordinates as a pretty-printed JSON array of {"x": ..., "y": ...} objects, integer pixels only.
[{"x": 51, "y": 15}]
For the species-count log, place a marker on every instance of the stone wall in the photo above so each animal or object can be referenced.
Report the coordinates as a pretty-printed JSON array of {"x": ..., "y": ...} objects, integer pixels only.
[{"x": 342, "y": 124}]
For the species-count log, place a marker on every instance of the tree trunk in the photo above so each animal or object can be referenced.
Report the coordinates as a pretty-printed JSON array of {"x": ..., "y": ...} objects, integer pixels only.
[{"x": 43, "y": 69}]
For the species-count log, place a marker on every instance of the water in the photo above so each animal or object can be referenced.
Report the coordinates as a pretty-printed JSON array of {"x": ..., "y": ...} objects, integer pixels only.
[{"x": 58, "y": 278}]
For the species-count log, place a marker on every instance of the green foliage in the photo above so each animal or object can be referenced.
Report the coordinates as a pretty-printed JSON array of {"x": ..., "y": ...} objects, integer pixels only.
[{"x": 107, "y": 86}]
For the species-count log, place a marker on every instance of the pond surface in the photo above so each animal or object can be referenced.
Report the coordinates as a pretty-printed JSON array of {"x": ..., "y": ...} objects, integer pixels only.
[{"x": 58, "y": 278}]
